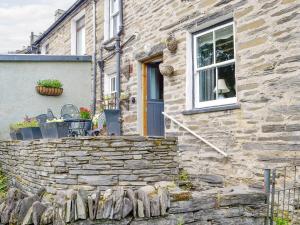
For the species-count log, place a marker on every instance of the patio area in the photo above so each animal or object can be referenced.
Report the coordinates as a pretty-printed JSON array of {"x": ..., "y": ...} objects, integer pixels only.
[{"x": 23, "y": 78}]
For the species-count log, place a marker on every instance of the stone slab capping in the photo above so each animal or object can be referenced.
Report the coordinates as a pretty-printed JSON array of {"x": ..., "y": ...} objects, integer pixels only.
[{"x": 89, "y": 162}]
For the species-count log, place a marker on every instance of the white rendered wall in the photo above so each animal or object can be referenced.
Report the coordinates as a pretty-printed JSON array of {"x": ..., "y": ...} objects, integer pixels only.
[{"x": 18, "y": 96}]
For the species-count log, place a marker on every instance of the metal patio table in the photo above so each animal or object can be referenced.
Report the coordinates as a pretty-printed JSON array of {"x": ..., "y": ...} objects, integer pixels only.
[{"x": 79, "y": 127}]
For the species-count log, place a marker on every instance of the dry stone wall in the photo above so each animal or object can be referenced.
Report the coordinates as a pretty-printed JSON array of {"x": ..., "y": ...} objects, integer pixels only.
[
  {"x": 89, "y": 163},
  {"x": 162, "y": 204}
]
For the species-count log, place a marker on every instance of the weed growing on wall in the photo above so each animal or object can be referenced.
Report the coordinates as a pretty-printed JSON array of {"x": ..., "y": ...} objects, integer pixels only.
[
  {"x": 282, "y": 221},
  {"x": 3, "y": 184},
  {"x": 185, "y": 181}
]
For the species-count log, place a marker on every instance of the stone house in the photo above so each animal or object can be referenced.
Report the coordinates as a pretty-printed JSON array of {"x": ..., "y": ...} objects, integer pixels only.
[{"x": 235, "y": 81}]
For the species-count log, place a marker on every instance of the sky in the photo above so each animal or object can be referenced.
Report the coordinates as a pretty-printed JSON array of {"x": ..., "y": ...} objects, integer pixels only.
[{"x": 18, "y": 18}]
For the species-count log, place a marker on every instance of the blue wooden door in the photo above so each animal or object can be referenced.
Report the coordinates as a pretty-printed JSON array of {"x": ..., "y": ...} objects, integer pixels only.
[{"x": 155, "y": 101}]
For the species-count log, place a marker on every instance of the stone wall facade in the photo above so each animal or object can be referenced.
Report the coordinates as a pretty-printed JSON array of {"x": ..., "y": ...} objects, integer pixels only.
[
  {"x": 59, "y": 39},
  {"x": 89, "y": 163},
  {"x": 264, "y": 129}
]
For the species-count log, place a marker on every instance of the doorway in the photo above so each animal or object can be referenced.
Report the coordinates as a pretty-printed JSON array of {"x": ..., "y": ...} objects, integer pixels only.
[{"x": 153, "y": 95}]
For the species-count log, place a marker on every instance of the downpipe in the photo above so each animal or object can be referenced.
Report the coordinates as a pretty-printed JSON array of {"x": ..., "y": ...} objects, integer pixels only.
[
  {"x": 118, "y": 56},
  {"x": 94, "y": 59}
]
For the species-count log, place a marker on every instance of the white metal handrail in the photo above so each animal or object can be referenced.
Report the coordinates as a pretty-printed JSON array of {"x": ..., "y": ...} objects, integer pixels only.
[{"x": 194, "y": 134}]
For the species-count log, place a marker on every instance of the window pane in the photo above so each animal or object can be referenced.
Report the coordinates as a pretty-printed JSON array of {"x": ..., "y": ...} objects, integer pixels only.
[
  {"x": 114, "y": 6},
  {"x": 155, "y": 84},
  {"x": 205, "y": 50},
  {"x": 224, "y": 44},
  {"x": 80, "y": 23},
  {"x": 113, "y": 84},
  {"x": 79, "y": 42},
  {"x": 207, "y": 85},
  {"x": 226, "y": 82},
  {"x": 115, "y": 24},
  {"x": 80, "y": 32}
]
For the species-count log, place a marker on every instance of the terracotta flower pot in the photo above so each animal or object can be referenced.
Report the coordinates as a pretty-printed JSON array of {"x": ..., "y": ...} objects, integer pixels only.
[{"x": 49, "y": 91}]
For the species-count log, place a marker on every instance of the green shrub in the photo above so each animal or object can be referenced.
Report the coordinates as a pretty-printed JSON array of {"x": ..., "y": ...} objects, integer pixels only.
[
  {"x": 184, "y": 177},
  {"x": 50, "y": 83},
  {"x": 28, "y": 122},
  {"x": 282, "y": 221},
  {"x": 85, "y": 113}
]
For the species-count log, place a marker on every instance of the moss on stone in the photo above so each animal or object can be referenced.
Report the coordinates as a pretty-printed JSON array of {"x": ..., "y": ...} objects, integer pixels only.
[{"x": 181, "y": 196}]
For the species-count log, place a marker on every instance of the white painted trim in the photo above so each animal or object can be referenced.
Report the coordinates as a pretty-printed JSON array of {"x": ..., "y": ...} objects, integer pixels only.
[
  {"x": 73, "y": 32},
  {"x": 189, "y": 72},
  {"x": 195, "y": 73}
]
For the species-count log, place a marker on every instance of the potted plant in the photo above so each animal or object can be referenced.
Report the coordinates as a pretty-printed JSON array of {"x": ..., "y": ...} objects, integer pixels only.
[
  {"x": 85, "y": 114},
  {"x": 55, "y": 128},
  {"x": 124, "y": 99},
  {"x": 29, "y": 129},
  {"x": 113, "y": 121},
  {"x": 49, "y": 87},
  {"x": 15, "y": 132}
]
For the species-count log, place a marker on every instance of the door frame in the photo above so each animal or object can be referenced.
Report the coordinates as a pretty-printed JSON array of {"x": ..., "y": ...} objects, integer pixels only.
[{"x": 144, "y": 84}]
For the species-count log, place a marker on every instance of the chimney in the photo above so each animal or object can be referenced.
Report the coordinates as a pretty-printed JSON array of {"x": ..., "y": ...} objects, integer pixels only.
[
  {"x": 58, "y": 13},
  {"x": 33, "y": 38}
]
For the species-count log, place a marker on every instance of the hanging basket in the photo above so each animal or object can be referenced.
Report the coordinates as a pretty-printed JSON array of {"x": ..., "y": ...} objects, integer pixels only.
[
  {"x": 172, "y": 44},
  {"x": 49, "y": 91},
  {"x": 166, "y": 70}
]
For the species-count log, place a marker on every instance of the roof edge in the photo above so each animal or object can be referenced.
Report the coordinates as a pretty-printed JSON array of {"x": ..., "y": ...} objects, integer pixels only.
[
  {"x": 44, "y": 58},
  {"x": 77, "y": 4}
]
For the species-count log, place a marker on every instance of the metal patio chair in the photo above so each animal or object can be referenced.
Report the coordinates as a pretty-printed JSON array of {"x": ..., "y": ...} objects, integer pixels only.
[
  {"x": 50, "y": 115},
  {"x": 70, "y": 111},
  {"x": 42, "y": 119}
]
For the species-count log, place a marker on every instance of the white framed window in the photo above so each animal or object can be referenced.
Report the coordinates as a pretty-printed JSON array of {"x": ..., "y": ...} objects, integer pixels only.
[
  {"x": 112, "y": 18},
  {"x": 78, "y": 34},
  {"x": 113, "y": 84},
  {"x": 214, "y": 80},
  {"x": 110, "y": 84}
]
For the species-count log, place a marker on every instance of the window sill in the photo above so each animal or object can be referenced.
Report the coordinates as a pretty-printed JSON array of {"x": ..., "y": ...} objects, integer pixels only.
[
  {"x": 109, "y": 41},
  {"x": 212, "y": 109}
]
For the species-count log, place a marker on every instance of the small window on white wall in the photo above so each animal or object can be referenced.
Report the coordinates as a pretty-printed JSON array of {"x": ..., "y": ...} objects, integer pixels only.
[
  {"x": 214, "y": 67},
  {"x": 80, "y": 36},
  {"x": 112, "y": 18}
]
